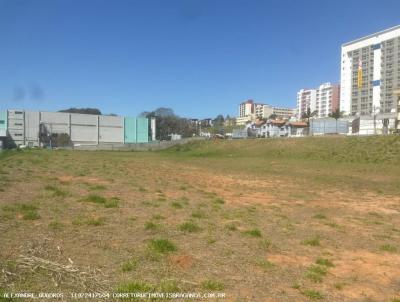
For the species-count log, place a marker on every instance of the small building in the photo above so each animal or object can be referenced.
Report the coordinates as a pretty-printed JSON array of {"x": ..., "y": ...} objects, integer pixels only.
[
  {"x": 298, "y": 129},
  {"x": 374, "y": 125}
]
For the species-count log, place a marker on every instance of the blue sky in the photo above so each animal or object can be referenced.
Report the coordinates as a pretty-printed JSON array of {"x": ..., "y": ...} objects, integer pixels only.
[{"x": 199, "y": 57}]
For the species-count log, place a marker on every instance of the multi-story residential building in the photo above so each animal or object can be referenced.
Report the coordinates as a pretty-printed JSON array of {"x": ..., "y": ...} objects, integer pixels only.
[
  {"x": 263, "y": 110},
  {"x": 327, "y": 99},
  {"x": 306, "y": 98},
  {"x": 323, "y": 100},
  {"x": 370, "y": 72},
  {"x": 249, "y": 111},
  {"x": 283, "y": 112}
]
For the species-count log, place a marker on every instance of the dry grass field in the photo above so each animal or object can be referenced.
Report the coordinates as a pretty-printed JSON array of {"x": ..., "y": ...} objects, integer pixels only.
[{"x": 260, "y": 220}]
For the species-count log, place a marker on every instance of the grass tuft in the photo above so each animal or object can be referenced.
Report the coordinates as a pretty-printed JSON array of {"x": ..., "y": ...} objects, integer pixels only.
[
  {"x": 129, "y": 266},
  {"x": 312, "y": 242},
  {"x": 162, "y": 246},
  {"x": 324, "y": 262},
  {"x": 212, "y": 285},
  {"x": 189, "y": 227},
  {"x": 312, "y": 294},
  {"x": 388, "y": 248},
  {"x": 253, "y": 233},
  {"x": 316, "y": 273}
]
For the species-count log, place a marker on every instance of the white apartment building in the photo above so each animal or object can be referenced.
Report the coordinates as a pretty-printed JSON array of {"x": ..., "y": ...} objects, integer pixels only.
[
  {"x": 306, "y": 98},
  {"x": 327, "y": 99},
  {"x": 378, "y": 57},
  {"x": 324, "y": 100}
]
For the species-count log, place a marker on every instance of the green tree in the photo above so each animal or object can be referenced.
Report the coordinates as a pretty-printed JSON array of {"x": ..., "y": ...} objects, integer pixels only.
[
  {"x": 337, "y": 114},
  {"x": 308, "y": 114}
]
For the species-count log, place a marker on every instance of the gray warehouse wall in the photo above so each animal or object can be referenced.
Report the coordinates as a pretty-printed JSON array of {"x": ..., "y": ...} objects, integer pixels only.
[
  {"x": 84, "y": 128},
  {"x": 111, "y": 129},
  {"x": 32, "y": 119},
  {"x": 24, "y": 127}
]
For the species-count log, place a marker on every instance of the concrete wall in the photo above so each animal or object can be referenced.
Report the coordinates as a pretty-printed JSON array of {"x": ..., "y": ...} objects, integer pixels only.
[
  {"x": 111, "y": 129},
  {"x": 84, "y": 128},
  {"x": 24, "y": 127},
  {"x": 32, "y": 119}
]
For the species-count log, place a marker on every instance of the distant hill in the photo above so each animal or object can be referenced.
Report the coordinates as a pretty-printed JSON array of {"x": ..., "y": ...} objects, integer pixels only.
[{"x": 94, "y": 111}]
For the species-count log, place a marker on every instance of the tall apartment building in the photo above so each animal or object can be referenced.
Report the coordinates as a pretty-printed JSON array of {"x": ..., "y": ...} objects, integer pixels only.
[
  {"x": 327, "y": 99},
  {"x": 324, "y": 100},
  {"x": 306, "y": 98},
  {"x": 370, "y": 72}
]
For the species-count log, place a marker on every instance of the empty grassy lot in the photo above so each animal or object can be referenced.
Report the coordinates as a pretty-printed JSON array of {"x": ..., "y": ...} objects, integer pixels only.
[{"x": 261, "y": 220}]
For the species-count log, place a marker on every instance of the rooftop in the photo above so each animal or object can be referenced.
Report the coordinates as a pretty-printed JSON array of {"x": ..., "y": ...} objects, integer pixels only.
[{"x": 372, "y": 35}]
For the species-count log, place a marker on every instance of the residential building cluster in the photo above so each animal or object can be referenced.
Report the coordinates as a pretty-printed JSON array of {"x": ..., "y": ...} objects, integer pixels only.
[
  {"x": 321, "y": 101},
  {"x": 250, "y": 111},
  {"x": 369, "y": 85},
  {"x": 367, "y": 100}
]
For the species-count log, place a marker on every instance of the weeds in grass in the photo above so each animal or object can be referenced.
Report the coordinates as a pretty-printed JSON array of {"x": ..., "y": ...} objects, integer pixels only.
[
  {"x": 56, "y": 225},
  {"x": 189, "y": 227},
  {"x": 324, "y": 262},
  {"x": 157, "y": 217},
  {"x": 141, "y": 189},
  {"x": 134, "y": 287},
  {"x": 28, "y": 211},
  {"x": 312, "y": 294},
  {"x": 265, "y": 265},
  {"x": 213, "y": 285},
  {"x": 316, "y": 273},
  {"x": 219, "y": 201},
  {"x": 129, "y": 266},
  {"x": 95, "y": 199},
  {"x": 265, "y": 244},
  {"x": 388, "y": 248},
  {"x": 97, "y": 188},
  {"x": 198, "y": 214},
  {"x": 96, "y": 221},
  {"x": 107, "y": 203},
  {"x": 253, "y": 233},
  {"x": 176, "y": 205},
  {"x": 231, "y": 227},
  {"x": 91, "y": 221},
  {"x": 162, "y": 246},
  {"x": 319, "y": 216},
  {"x": 333, "y": 225},
  {"x": 339, "y": 286},
  {"x": 112, "y": 202},
  {"x": 169, "y": 286},
  {"x": 151, "y": 226},
  {"x": 312, "y": 242},
  {"x": 56, "y": 192}
]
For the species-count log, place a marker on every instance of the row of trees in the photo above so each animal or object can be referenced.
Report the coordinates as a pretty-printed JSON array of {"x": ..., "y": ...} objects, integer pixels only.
[{"x": 167, "y": 123}]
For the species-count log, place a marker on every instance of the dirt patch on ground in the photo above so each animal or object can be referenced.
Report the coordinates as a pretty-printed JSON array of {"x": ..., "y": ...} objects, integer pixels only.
[
  {"x": 369, "y": 273},
  {"x": 182, "y": 261},
  {"x": 91, "y": 180},
  {"x": 289, "y": 260}
]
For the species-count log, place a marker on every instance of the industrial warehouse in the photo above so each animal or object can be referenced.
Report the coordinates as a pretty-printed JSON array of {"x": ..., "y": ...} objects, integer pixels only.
[{"x": 40, "y": 129}]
